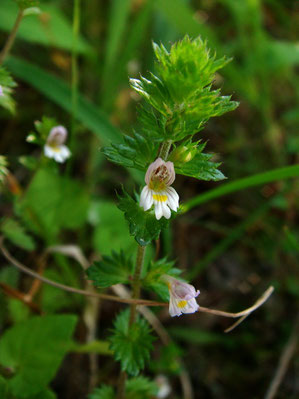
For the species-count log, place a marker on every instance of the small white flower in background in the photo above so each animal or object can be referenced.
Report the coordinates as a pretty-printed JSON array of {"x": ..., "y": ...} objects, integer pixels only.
[
  {"x": 1, "y": 91},
  {"x": 164, "y": 388},
  {"x": 54, "y": 147},
  {"x": 159, "y": 177},
  {"x": 182, "y": 297}
]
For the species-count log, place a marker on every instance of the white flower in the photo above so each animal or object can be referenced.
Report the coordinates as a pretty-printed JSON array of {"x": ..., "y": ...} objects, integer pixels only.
[
  {"x": 1, "y": 91},
  {"x": 54, "y": 147},
  {"x": 159, "y": 177},
  {"x": 182, "y": 297},
  {"x": 164, "y": 388}
]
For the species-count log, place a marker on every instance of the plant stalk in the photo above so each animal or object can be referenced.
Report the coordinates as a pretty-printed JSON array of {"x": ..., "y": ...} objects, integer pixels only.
[
  {"x": 164, "y": 150},
  {"x": 136, "y": 285},
  {"x": 11, "y": 38}
]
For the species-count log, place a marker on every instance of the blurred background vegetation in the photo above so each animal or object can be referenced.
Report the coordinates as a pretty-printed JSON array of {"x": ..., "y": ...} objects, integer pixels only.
[{"x": 233, "y": 246}]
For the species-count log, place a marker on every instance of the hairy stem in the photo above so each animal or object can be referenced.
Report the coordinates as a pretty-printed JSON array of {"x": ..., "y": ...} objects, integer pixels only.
[
  {"x": 164, "y": 150},
  {"x": 11, "y": 37},
  {"x": 136, "y": 284}
]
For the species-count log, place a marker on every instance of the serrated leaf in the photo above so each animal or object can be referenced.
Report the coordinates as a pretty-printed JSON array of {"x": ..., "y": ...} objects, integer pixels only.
[
  {"x": 140, "y": 388},
  {"x": 14, "y": 232},
  {"x": 105, "y": 392},
  {"x": 201, "y": 168},
  {"x": 152, "y": 278},
  {"x": 137, "y": 151},
  {"x": 181, "y": 92},
  {"x": 143, "y": 225},
  {"x": 131, "y": 344},
  {"x": 114, "y": 269},
  {"x": 33, "y": 350}
]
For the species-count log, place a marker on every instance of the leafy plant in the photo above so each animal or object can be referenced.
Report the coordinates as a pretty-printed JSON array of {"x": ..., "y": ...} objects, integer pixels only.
[{"x": 131, "y": 343}]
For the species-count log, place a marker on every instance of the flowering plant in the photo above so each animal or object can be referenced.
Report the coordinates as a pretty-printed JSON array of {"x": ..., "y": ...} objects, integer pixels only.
[{"x": 179, "y": 99}]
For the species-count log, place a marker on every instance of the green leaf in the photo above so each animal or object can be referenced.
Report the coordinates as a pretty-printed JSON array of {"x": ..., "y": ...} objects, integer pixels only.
[
  {"x": 43, "y": 128},
  {"x": 105, "y": 392},
  {"x": 3, "y": 388},
  {"x": 140, "y": 388},
  {"x": 131, "y": 344},
  {"x": 50, "y": 28},
  {"x": 53, "y": 299},
  {"x": 143, "y": 225},
  {"x": 46, "y": 204},
  {"x": 181, "y": 91},
  {"x": 14, "y": 232},
  {"x": 137, "y": 151},
  {"x": 152, "y": 279},
  {"x": 201, "y": 168},
  {"x": 33, "y": 350},
  {"x": 18, "y": 311},
  {"x": 45, "y": 394},
  {"x": 59, "y": 92},
  {"x": 7, "y": 83},
  {"x": 111, "y": 229},
  {"x": 114, "y": 269},
  {"x": 189, "y": 160}
]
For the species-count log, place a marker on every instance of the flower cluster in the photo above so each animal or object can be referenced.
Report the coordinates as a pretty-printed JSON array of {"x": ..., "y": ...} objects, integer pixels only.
[
  {"x": 54, "y": 147},
  {"x": 159, "y": 177}
]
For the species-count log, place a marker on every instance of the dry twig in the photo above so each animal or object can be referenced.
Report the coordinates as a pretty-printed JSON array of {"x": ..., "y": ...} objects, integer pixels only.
[
  {"x": 284, "y": 362},
  {"x": 144, "y": 302}
]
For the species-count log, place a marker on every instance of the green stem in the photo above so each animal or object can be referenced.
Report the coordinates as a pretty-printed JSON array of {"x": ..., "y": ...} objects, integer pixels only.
[
  {"x": 11, "y": 38},
  {"x": 164, "y": 150},
  {"x": 136, "y": 285}
]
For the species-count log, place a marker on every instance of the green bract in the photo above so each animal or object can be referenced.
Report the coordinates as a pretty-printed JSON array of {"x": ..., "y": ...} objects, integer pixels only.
[
  {"x": 152, "y": 280},
  {"x": 114, "y": 269},
  {"x": 137, "y": 151},
  {"x": 131, "y": 344},
  {"x": 143, "y": 225},
  {"x": 43, "y": 128},
  {"x": 180, "y": 100}
]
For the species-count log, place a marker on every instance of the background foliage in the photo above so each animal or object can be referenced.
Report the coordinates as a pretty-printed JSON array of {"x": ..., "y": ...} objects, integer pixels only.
[{"x": 234, "y": 241}]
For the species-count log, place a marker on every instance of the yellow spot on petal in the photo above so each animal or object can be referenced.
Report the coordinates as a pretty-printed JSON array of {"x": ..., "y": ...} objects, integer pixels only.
[
  {"x": 160, "y": 198},
  {"x": 182, "y": 304},
  {"x": 55, "y": 148}
]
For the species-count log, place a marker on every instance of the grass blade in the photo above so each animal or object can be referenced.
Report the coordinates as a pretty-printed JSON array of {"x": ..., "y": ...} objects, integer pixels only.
[
  {"x": 59, "y": 92},
  {"x": 286, "y": 172}
]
